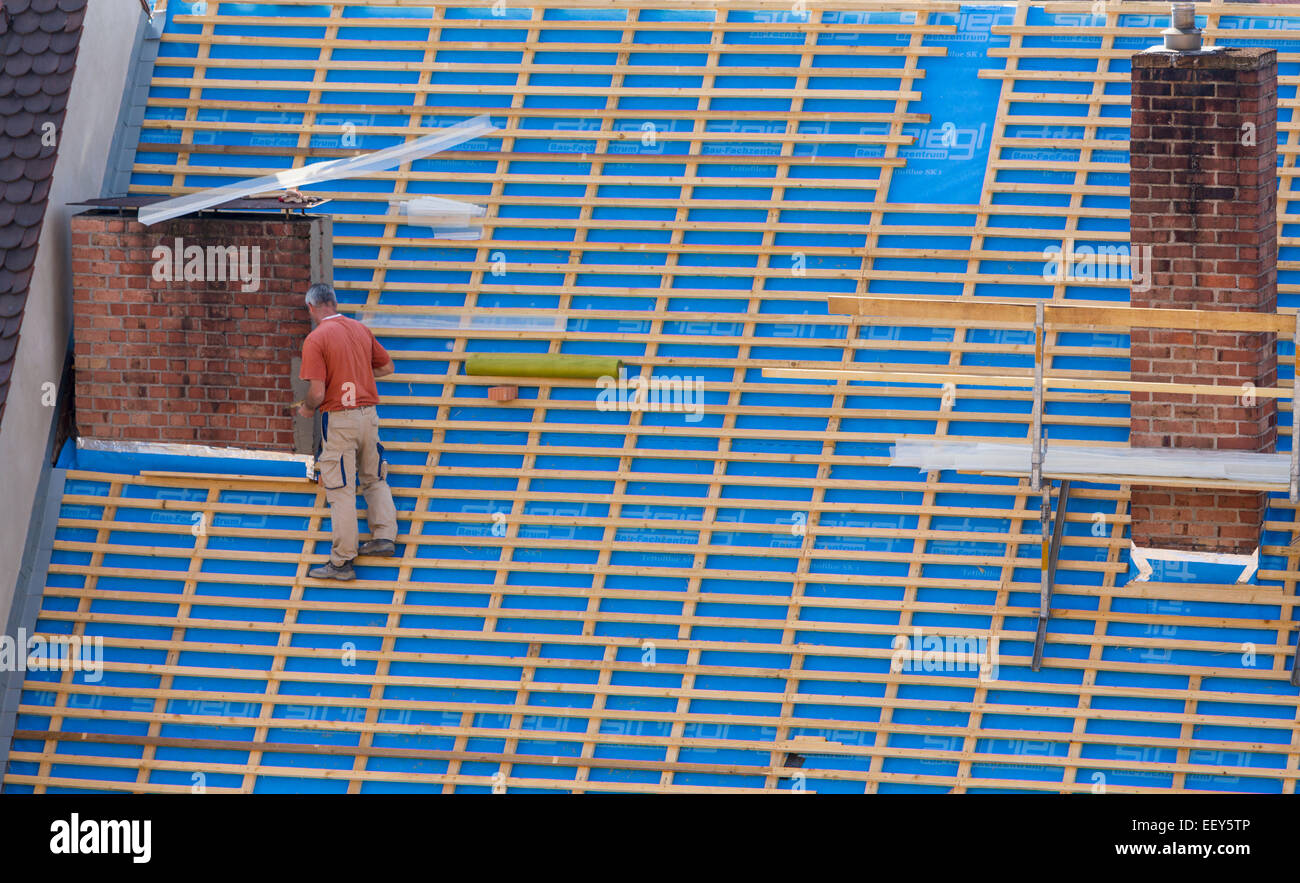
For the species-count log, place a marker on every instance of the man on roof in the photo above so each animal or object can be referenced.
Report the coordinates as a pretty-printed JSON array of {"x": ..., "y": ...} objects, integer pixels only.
[{"x": 341, "y": 358}]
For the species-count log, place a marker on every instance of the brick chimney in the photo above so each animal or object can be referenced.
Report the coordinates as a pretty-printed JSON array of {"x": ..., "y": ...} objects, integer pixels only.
[
  {"x": 191, "y": 330},
  {"x": 1203, "y": 197}
]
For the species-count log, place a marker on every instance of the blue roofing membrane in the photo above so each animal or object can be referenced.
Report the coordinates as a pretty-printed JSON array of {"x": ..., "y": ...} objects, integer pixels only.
[{"x": 855, "y": 592}]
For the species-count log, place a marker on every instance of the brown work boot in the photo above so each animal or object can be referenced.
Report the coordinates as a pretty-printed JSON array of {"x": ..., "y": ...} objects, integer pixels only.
[
  {"x": 378, "y": 548},
  {"x": 329, "y": 570}
]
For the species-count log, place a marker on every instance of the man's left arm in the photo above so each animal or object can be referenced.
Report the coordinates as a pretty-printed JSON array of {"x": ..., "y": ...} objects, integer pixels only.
[
  {"x": 313, "y": 371},
  {"x": 315, "y": 395}
]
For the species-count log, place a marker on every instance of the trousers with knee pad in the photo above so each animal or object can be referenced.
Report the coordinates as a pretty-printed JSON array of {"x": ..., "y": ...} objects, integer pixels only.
[{"x": 351, "y": 459}]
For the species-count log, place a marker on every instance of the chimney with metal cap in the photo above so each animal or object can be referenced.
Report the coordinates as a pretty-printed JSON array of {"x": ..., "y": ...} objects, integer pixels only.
[{"x": 1203, "y": 216}]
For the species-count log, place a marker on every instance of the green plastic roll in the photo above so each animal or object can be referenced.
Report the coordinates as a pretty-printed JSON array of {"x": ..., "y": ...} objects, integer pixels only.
[{"x": 541, "y": 365}]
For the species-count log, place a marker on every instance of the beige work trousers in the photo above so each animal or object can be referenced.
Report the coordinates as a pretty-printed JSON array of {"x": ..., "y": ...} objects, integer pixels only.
[{"x": 352, "y": 457}]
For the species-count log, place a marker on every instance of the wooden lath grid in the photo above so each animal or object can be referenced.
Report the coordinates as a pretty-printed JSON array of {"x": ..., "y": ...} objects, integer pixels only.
[
  {"x": 1017, "y": 698},
  {"x": 550, "y": 615}
]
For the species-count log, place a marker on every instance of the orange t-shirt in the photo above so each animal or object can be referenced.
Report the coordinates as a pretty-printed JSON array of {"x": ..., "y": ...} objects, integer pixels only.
[{"x": 343, "y": 354}]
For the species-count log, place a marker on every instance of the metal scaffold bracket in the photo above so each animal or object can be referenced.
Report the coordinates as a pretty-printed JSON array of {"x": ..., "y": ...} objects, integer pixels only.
[{"x": 1051, "y": 553}]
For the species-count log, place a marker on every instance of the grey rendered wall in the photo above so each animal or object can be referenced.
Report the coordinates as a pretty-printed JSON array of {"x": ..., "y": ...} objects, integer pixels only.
[{"x": 90, "y": 129}]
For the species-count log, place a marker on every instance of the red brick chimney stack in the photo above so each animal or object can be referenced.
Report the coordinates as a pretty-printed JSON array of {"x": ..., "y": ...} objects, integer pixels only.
[
  {"x": 1203, "y": 197},
  {"x": 190, "y": 331}
]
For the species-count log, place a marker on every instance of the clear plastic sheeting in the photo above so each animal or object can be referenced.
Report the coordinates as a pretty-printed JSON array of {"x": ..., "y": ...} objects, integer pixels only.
[
  {"x": 335, "y": 169},
  {"x": 447, "y": 218},
  {"x": 385, "y": 321},
  {"x": 460, "y": 234},
  {"x": 1154, "y": 463}
]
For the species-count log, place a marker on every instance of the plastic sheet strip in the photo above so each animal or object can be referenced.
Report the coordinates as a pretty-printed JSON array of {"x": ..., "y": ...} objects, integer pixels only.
[
  {"x": 351, "y": 166},
  {"x": 930, "y": 456},
  {"x": 177, "y": 449}
]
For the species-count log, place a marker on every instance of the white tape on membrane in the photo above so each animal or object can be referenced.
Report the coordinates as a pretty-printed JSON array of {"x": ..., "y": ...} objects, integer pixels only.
[{"x": 1142, "y": 558}]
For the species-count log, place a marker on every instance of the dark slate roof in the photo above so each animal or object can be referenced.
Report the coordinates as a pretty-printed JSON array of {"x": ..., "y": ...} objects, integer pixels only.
[{"x": 38, "y": 49}]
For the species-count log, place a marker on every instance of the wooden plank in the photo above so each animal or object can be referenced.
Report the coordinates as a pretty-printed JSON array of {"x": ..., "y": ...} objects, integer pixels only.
[
  {"x": 1007, "y": 313},
  {"x": 1054, "y": 381}
]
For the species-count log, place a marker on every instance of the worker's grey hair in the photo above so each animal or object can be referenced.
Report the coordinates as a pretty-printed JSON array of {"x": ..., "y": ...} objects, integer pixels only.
[{"x": 320, "y": 295}]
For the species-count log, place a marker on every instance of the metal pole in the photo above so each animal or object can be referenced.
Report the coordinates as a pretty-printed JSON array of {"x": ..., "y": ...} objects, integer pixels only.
[
  {"x": 1036, "y": 457},
  {"x": 1036, "y": 453},
  {"x": 1045, "y": 579},
  {"x": 1295, "y": 420},
  {"x": 1295, "y": 462},
  {"x": 1049, "y": 573}
]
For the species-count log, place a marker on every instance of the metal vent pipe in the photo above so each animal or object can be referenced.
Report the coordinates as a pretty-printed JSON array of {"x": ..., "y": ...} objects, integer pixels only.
[{"x": 1184, "y": 36}]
